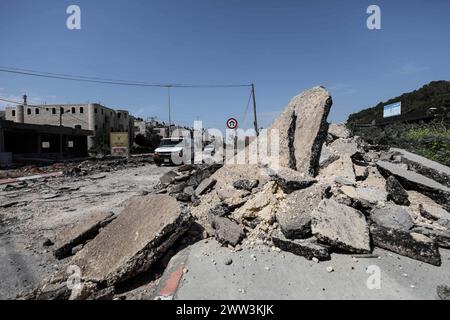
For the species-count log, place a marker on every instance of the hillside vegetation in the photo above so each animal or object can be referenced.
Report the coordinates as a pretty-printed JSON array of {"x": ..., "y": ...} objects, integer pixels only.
[
  {"x": 436, "y": 94},
  {"x": 430, "y": 138}
]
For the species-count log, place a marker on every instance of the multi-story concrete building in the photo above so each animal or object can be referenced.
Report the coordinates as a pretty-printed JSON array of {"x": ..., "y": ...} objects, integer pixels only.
[
  {"x": 100, "y": 119},
  {"x": 140, "y": 126}
]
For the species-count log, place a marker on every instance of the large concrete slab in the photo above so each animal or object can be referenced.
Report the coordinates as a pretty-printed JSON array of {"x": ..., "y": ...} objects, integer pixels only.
[
  {"x": 145, "y": 229},
  {"x": 424, "y": 166},
  {"x": 273, "y": 275},
  {"x": 411, "y": 180},
  {"x": 311, "y": 111},
  {"x": 295, "y": 213},
  {"x": 302, "y": 129},
  {"x": 80, "y": 233},
  {"x": 341, "y": 227}
]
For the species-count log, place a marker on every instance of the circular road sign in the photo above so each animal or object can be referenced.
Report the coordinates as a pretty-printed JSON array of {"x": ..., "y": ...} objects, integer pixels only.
[{"x": 232, "y": 123}]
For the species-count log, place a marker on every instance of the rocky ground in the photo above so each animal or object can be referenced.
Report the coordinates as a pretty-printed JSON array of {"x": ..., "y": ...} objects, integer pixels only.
[{"x": 334, "y": 208}]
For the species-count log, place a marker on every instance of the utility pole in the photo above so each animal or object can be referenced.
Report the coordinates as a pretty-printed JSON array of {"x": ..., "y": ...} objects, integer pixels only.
[
  {"x": 255, "y": 122},
  {"x": 61, "y": 111},
  {"x": 170, "y": 119}
]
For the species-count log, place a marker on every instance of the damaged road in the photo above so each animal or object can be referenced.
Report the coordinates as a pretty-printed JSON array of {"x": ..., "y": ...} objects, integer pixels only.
[{"x": 311, "y": 228}]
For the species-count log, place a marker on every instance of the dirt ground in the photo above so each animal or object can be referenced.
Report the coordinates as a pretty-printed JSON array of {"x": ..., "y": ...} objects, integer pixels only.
[{"x": 33, "y": 211}]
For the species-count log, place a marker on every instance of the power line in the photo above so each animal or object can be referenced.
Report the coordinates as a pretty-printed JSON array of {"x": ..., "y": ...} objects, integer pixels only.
[{"x": 68, "y": 77}]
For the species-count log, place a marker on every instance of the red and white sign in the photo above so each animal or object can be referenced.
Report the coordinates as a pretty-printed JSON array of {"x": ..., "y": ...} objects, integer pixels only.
[{"x": 232, "y": 123}]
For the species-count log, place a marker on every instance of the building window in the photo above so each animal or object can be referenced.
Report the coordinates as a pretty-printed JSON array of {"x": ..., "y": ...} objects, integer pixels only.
[
  {"x": 125, "y": 115},
  {"x": 53, "y": 110},
  {"x": 118, "y": 115},
  {"x": 73, "y": 110},
  {"x": 78, "y": 126},
  {"x": 96, "y": 127},
  {"x": 81, "y": 110},
  {"x": 102, "y": 111},
  {"x": 28, "y": 111},
  {"x": 95, "y": 110},
  {"x": 36, "y": 111},
  {"x": 46, "y": 109},
  {"x": 14, "y": 113}
]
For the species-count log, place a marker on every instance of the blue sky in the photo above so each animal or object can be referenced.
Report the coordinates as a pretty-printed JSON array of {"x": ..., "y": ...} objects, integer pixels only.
[{"x": 283, "y": 46}]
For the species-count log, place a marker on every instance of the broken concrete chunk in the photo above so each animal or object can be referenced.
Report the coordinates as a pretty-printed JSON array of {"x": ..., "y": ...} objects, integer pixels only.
[
  {"x": 232, "y": 197},
  {"x": 294, "y": 214},
  {"x": 205, "y": 186},
  {"x": 432, "y": 212},
  {"x": 424, "y": 166},
  {"x": 221, "y": 210},
  {"x": 361, "y": 172},
  {"x": 344, "y": 181},
  {"x": 302, "y": 129},
  {"x": 130, "y": 244},
  {"x": 341, "y": 226},
  {"x": 189, "y": 191},
  {"x": 290, "y": 180},
  {"x": 342, "y": 167},
  {"x": 444, "y": 222},
  {"x": 327, "y": 157},
  {"x": 311, "y": 109},
  {"x": 426, "y": 207},
  {"x": 227, "y": 232},
  {"x": 366, "y": 197},
  {"x": 442, "y": 237},
  {"x": 339, "y": 130},
  {"x": 176, "y": 188},
  {"x": 412, "y": 245},
  {"x": 396, "y": 192},
  {"x": 261, "y": 206},
  {"x": 245, "y": 184},
  {"x": 308, "y": 248},
  {"x": 80, "y": 233},
  {"x": 345, "y": 147},
  {"x": 411, "y": 180},
  {"x": 392, "y": 217},
  {"x": 168, "y": 177}
]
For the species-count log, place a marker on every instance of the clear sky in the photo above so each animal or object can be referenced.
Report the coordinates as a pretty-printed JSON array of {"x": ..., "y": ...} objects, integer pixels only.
[{"x": 283, "y": 46}]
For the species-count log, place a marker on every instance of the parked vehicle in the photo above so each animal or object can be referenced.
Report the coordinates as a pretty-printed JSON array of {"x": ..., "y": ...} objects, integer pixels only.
[{"x": 175, "y": 151}]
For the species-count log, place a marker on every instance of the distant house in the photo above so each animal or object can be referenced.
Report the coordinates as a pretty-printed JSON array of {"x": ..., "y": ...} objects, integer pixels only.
[{"x": 99, "y": 119}]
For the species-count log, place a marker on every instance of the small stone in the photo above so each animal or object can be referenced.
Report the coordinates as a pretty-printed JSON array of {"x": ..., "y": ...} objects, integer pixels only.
[
  {"x": 185, "y": 270},
  {"x": 314, "y": 259},
  {"x": 47, "y": 242},
  {"x": 330, "y": 269},
  {"x": 228, "y": 261}
]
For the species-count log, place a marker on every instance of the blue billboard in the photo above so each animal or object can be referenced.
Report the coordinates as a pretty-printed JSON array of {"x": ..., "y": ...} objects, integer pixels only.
[{"x": 392, "y": 110}]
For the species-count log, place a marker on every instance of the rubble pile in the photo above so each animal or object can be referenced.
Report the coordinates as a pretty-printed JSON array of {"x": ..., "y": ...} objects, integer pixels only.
[
  {"x": 333, "y": 193},
  {"x": 188, "y": 182}
]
